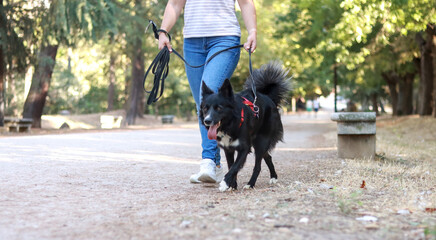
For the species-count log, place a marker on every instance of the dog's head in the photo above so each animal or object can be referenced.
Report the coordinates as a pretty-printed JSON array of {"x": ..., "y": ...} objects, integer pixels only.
[{"x": 216, "y": 108}]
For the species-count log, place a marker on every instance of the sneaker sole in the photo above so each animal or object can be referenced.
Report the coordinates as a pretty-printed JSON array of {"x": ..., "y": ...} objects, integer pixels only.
[
  {"x": 206, "y": 179},
  {"x": 194, "y": 181}
]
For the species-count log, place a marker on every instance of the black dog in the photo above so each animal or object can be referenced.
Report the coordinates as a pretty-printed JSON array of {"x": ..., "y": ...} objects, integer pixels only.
[{"x": 237, "y": 124}]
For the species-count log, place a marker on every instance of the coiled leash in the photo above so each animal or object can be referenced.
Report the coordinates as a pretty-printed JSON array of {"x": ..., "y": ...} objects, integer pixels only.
[{"x": 160, "y": 67}]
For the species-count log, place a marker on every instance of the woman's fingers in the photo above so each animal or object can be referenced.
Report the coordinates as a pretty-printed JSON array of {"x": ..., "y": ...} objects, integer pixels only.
[
  {"x": 251, "y": 42},
  {"x": 164, "y": 41}
]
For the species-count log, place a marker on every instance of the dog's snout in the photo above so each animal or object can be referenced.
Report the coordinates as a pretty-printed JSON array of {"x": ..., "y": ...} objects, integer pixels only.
[{"x": 207, "y": 122}]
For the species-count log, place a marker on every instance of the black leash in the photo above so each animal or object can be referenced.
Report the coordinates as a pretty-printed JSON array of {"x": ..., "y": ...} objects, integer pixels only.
[{"x": 160, "y": 67}]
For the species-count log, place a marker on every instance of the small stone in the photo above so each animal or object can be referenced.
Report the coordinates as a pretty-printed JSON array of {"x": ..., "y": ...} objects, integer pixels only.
[
  {"x": 266, "y": 215},
  {"x": 403, "y": 212},
  {"x": 310, "y": 190},
  {"x": 367, "y": 219},
  {"x": 64, "y": 126},
  {"x": 304, "y": 220},
  {"x": 325, "y": 186},
  {"x": 185, "y": 224},
  {"x": 237, "y": 230},
  {"x": 251, "y": 216},
  {"x": 285, "y": 230}
]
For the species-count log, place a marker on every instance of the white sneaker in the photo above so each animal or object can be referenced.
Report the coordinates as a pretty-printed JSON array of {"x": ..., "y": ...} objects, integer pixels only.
[
  {"x": 219, "y": 171},
  {"x": 207, "y": 172}
]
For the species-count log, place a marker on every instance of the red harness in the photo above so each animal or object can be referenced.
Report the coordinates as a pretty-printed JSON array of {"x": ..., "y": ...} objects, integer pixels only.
[{"x": 253, "y": 108}]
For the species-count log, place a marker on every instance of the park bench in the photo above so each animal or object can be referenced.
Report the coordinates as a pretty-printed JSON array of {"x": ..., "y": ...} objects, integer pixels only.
[
  {"x": 167, "y": 118},
  {"x": 109, "y": 122},
  {"x": 18, "y": 124},
  {"x": 356, "y": 134}
]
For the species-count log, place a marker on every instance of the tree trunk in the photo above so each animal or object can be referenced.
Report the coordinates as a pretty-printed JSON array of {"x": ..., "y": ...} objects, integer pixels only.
[
  {"x": 11, "y": 88},
  {"x": 2, "y": 71},
  {"x": 135, "y": 104},
  {"x": 135, "y": 96},
  {"x": 417, "y": 63},
  {"x": 434, "y": 68},
  {"x": 425, "y": 106},
  {"x": 374, "y": 98},
  {"x": 391, "y": 79},
  {"x": 41, "y": 79},
  {"x": 405, "y": 105},
  {"x": 2, "y": 89},
  {"x": 335, "y": 85},
  {"x": 111, "y": 89}
]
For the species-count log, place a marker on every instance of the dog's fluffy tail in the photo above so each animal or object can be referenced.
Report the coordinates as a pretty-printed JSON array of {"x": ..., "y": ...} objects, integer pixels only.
[{"x": 272, "y": 80}]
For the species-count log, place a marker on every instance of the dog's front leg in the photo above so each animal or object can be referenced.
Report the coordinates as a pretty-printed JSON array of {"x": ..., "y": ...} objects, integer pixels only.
[
  {"x": 230, "y": 157},
  {"x": 230, "y": 177}
]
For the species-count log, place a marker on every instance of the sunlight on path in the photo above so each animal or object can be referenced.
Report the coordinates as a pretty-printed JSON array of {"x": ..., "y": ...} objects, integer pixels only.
[{"x": 102, "y": 183}]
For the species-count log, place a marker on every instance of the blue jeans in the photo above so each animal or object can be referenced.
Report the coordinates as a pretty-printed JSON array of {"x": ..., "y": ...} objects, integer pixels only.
[{"x": 196, "y": 51}]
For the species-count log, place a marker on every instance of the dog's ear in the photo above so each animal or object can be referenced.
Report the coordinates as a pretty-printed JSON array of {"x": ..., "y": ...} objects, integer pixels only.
[
  {"x": 226, "y": 89},
  {"x": 205, "y": 90}
]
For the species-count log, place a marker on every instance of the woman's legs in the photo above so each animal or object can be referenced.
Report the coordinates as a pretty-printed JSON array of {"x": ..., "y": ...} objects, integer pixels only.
[{"x": 196, "y": 52}]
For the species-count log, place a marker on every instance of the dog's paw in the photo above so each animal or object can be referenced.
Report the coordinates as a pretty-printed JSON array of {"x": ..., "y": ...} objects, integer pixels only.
[
  {"x": 247, "y": 187},
  {"x": 223, "y": 186},
  {"x": 273, "y": 181}
]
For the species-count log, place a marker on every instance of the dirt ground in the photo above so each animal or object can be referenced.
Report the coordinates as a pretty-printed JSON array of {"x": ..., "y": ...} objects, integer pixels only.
[{"x": 134, "y": 184}]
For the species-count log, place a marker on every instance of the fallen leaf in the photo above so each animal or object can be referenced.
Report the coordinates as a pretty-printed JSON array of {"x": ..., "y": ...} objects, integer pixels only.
[
  {"x": 366, "y": 213},
  {"x": 283, "y": 226},
  {"x": 363, "y": 185},
  {"x": 371, "y": 226},
  {"x": 430, "y": 209}
]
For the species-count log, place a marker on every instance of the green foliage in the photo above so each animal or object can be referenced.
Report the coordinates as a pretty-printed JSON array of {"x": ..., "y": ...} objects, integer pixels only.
[
  {"x": 362, "y": 38},
  {"x": 17, "y": 32},
  {"x": 69, "y": 21},
  {"x": 95, "y": 100},
  {"x": 430, "y": 231},
  {"x": 177, "y": 99},
  {"x": 347, "y": 203}
]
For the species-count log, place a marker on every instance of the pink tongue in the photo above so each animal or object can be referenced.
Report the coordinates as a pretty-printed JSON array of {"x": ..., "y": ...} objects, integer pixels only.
[{"x": 211, "y": 134}]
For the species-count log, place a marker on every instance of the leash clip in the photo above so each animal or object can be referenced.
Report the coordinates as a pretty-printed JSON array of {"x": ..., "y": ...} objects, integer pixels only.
[
  {"x": 157, "y": 31},
  {"x": 156, "y": 34},
  {"x": 255, "y": 107},
  {"x": 148, "y": 25}
]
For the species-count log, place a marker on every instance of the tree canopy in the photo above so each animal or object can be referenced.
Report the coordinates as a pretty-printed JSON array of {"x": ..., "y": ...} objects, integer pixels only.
[{"x": 378, "y": 53}]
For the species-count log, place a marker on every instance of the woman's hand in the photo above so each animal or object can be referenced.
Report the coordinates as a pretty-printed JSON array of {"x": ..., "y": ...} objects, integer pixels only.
[
  {"x": 249, "y": 15},
  {"x": 172, "y": 12},
  {"x": 164, "y": 41},
  {"x": 251, "y": 43}
]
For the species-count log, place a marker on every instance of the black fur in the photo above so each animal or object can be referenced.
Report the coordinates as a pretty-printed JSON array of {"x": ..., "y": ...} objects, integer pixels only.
[{"x": 261, "y": 132}]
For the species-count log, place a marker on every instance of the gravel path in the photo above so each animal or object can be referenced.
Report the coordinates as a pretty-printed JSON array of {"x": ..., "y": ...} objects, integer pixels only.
[{"x": 130, "y": 184}]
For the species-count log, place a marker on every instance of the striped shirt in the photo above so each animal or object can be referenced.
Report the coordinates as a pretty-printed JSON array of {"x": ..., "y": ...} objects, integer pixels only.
[{"x": 209, "y": 18}]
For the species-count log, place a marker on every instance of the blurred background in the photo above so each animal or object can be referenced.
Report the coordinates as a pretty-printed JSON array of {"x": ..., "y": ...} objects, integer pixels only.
[{"x": 90, "y": 56}]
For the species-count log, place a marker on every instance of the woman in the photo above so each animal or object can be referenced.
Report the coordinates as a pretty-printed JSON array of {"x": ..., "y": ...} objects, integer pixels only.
[{"x": 210, "y": 26}]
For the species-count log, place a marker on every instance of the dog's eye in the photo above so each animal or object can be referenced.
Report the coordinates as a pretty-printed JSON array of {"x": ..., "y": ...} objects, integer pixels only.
[
  {"x": 205, "y": 108},
  {"x": 218, "y": 108}
]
